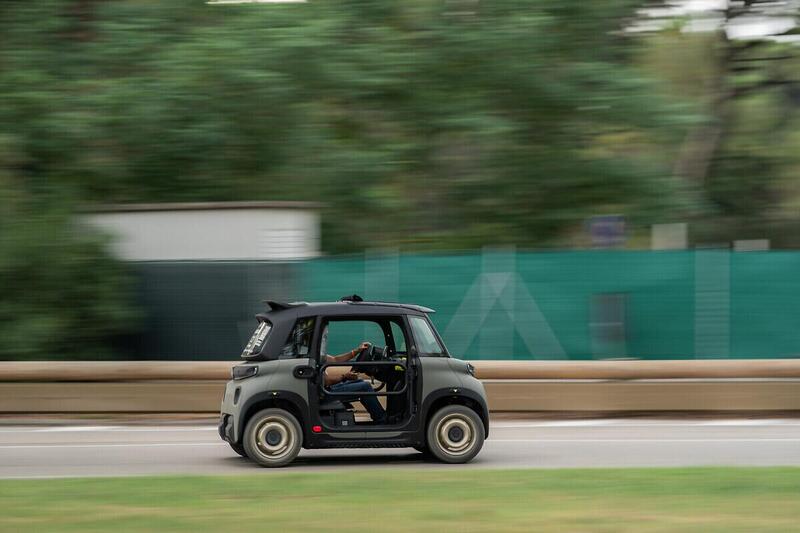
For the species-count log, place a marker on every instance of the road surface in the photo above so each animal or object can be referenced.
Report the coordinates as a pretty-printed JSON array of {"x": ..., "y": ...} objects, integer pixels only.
[{"x": 121, "y": 450}]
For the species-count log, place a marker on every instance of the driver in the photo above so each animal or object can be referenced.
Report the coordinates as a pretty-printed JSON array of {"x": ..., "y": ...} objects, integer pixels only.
[{"x": 349, "y": 381}]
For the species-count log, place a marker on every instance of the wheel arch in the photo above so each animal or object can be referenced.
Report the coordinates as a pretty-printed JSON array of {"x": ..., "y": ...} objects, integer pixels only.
[
  {"x": 288, "y": 401},
  {"x": 441, "y": 397}
]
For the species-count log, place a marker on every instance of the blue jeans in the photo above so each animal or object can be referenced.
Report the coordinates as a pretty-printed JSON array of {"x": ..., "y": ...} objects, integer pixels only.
[{"x": 371, "y": 403}]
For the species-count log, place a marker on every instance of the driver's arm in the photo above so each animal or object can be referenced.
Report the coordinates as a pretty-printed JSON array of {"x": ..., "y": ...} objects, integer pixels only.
[{"x": 342, "y": 358}]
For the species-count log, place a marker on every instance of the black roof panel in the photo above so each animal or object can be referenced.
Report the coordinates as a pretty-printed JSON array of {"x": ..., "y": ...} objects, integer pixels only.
[{"x": 342, "y": 308}]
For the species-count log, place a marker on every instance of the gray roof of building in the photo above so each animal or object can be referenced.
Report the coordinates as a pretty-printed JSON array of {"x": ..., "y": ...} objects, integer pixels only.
[{"x": 202, "y": 206}]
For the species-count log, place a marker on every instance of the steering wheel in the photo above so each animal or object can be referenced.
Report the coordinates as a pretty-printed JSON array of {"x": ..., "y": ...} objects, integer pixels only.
[
  {"x": 373, "y": 353},
  {"x": 375, "y": 371},
  {"x": 365, "y": 355}
]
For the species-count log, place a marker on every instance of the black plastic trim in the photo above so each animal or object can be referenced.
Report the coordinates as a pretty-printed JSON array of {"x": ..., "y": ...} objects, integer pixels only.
[
  {"x": 405, "y": 440},
  {"x": 275, "y": 395},
  {"x": 304, "y": 372},
  {"x": 438, "y": 394}
]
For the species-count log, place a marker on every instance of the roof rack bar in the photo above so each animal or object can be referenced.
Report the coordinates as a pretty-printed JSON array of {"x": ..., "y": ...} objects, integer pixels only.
[
  {"x": 421, "y": 308},
  {"x": 277, "y": 306},
  {"x": 352, "y": 300}
]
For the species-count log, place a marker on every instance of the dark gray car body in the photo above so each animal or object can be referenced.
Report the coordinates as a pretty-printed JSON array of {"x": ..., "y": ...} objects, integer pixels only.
[{"x": 292, "y": 384}]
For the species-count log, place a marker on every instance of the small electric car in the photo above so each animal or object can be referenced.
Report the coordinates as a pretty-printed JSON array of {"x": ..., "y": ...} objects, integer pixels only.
[{"x": 293, "y": 392}]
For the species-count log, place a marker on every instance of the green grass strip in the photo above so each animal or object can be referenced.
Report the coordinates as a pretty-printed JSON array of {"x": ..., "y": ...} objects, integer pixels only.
[{"x": 451, "y": 499}]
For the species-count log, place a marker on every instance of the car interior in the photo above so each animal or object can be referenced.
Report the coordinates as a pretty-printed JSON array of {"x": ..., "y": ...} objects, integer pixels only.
[{"x": 382, "y": 365}]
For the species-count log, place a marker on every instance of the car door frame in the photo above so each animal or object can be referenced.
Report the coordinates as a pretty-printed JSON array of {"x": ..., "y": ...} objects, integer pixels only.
[{"x": 411, "y": 367}]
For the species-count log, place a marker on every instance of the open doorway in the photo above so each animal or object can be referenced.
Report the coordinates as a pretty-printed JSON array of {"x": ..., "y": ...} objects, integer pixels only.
[{"x": 364, "y": 379}]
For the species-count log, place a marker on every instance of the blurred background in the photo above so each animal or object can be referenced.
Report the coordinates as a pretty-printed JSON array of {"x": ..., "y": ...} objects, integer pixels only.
[
  {"x": 559, "y": 180},
  {"x": 600, "y": 199}
]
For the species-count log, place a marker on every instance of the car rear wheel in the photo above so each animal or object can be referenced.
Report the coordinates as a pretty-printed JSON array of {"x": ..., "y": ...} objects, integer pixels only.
[
  {"x": 455, "y": 434},
  {"x": 273, "y": 438}
]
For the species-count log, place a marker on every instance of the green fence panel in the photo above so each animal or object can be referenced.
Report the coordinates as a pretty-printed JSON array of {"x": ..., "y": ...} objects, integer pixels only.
[
  {"x": 502, "y": 304},
  {"x": 765, "y": 314},
  {"x": 586, "y": 304},
  {"x": 204, "y": 310}
]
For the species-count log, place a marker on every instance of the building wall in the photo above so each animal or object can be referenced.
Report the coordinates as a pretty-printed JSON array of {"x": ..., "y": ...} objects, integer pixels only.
[{"x": 211, "y": 234}]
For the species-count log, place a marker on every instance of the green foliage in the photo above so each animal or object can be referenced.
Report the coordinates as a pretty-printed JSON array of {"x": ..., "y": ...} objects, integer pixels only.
[
  {"x": 743, "y": 156},
  {"x": 419, "y": 124},
  {"x": 62, "y": 295}
]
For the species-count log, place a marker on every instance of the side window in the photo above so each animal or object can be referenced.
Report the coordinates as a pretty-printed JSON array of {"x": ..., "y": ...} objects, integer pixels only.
[
  {"x": 299, "y": 342},
  {"x": 427, "y": 344},
  {"x": 399, "y": 338},
  {"x": 340, "y": 336}
]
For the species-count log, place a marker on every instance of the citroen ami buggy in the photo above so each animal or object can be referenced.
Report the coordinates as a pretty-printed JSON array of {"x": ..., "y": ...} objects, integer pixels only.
[{"x": 292, "y": 391}]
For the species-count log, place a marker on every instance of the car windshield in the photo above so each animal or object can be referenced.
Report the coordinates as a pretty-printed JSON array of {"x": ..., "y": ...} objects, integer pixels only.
[
  {"x": 427, "y": 344},
  {"x": 256, "y": 342}
]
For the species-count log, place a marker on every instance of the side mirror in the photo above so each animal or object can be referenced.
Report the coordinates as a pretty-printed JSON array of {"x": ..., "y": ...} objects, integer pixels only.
[{"x": 413, "y": 351}]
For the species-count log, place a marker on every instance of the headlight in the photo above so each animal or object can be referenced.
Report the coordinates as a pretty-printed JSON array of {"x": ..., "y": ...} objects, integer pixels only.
[
  {"x": 243, "y": 371},
  {"x": 471, "y": 369}
]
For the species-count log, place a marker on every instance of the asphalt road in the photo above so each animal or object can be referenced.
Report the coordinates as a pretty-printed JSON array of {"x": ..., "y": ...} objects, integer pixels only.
[{"x": 84, "y": 450}]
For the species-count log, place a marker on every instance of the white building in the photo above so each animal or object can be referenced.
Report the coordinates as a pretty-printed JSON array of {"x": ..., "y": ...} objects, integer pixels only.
[{"x": 211, "y": 231}]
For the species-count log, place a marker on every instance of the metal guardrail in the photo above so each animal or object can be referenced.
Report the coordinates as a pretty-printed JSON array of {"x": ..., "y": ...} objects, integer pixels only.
[
  {"x": 110, "y": 388},
  {"x": 114, "y": 371}
]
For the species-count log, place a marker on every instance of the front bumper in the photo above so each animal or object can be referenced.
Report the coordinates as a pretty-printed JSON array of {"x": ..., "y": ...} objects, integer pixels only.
[{"x": 225, "y": 428}]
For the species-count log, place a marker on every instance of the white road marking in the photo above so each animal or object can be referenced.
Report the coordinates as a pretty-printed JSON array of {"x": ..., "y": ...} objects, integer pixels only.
[
  {"x": 63, "y": 476},
  {"x": 114, "y": 445},
  {"x": 115, "y": 429},
  {"x": 556, "y": 424},
  {"x": 59, "y": 429},
  {"x": 646, "y": 423},
  {"x": 489, "y": 441},
  {"x": 123, "y": 429},
  {"x": 520, "y": 424},
  {"x": 754, "y": 422},
  {"x": 653, "y": 441}
]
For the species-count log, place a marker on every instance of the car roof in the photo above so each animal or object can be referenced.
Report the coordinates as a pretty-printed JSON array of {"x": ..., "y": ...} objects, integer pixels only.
[{"x": 280, "y": 310}]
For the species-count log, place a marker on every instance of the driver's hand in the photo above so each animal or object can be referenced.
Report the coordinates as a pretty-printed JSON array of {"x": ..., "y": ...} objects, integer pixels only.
[
  {"x": 349, "y": 376},
  {"x": 363, "y": 346}
]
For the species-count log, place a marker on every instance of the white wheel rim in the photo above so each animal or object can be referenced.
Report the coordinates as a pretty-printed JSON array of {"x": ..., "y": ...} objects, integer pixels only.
[
  {"x": 275, "y": 438},
  {"x": 456, "y": 435}
]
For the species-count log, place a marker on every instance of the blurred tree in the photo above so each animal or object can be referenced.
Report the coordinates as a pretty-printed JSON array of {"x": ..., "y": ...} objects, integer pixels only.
[
  {"x": 420, "y": 124},
  {"x": 61, "y": 295},
  {"x": 744, "y": 156}
]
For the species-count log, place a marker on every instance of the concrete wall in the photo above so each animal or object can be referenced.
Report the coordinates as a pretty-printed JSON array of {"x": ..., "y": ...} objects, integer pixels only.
[{"x": 635, "y": 386}]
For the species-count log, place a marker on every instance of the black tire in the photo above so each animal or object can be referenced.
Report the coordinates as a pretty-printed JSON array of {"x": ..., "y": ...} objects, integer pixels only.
[
  {"x": 272, "y": 438},
  {"x": 238, "y": 448},
  {"x": 455, "y": 434}
]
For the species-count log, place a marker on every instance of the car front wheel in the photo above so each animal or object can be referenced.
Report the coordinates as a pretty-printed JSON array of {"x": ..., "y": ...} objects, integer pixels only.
[
  {"x": 273, "y": 438},
  {"x": 455, "y": 434},
  {"x": 238, "y": 448}
]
